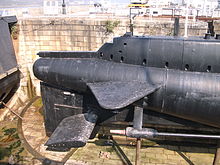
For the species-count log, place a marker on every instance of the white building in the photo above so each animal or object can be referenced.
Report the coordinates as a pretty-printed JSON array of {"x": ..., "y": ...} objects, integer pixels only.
[
  {"x": 101, "y": 6},
  {"x": 205, "y": 7},
  {"x": 51, "y": 7},
  {"x": 201, "y": 7},
  {"x": 159, "y": 3},
  {"x": 218, "y": 3}
]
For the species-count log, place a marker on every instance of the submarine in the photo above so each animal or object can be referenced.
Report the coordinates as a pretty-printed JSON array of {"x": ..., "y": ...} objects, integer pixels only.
[
  {"x": 9, "y": 69},
  {"x": 140, "y": 84}
]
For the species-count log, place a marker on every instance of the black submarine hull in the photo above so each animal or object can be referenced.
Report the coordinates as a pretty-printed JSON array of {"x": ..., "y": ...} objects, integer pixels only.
[
  {"x": 9, "y": 70},
  {"x": 176, "y": 80},
  {"x": 197, "y": 100}
]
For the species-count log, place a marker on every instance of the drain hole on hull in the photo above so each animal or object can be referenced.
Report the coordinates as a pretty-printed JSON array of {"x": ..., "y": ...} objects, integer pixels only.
[
  {"x": 101, "y": 54},
  {"x": 111, "y": 57},
  {"x": 144, "y": 62},
  {"x": 122, "y": 59},
  {"x": 166, "y": 64},
  {"x": 187, "y": 67},
  {"x": 209, "y": 68}
]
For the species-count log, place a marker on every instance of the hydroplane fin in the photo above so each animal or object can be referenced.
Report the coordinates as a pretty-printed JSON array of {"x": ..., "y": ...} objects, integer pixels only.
[
  {"x": 72, "y": 132},
  {"x": 116, "y": 95}
]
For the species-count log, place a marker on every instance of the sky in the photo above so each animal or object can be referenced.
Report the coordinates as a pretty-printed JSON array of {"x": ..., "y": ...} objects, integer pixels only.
[{"x": 8, "y": 3}]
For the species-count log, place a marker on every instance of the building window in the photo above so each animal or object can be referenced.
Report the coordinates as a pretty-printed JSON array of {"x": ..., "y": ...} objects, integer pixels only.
[{"x": 53, "y": 3}]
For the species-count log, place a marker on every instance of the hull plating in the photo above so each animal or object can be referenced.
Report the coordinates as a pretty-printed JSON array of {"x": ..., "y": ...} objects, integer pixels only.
[{"x": 193, "y": 96}]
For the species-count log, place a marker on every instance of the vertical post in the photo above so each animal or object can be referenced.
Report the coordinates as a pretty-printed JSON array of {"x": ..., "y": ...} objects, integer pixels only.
[
  {"x": 197, "y": 14},
  {"x": 138, "y": 118},
  {"x": 186, "y": 19},
  {"x": 63, "y": 7},
  {"x": 211, "y": 28},
  {"x": 131, "y": 23},
  {"x": 173, "y": 12},
  {"x": 137, "y": 124},
  {"x": 176, "y": 27},
  {"x": 138, "y": 150}
]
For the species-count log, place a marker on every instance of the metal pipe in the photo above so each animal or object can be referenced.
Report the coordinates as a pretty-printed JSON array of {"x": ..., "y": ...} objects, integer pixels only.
[
  {"x": 138, "y": 149},
  {"x": 151, "y": 133},
  {"x": 188, "y": 135},
  {"x": 120, "y": 153},
  {"x": 12, "y": 111}
]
